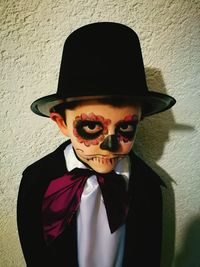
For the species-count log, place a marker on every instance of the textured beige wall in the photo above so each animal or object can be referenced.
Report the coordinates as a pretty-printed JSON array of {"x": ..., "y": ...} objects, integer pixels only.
[{"x": 32, "y": 36}]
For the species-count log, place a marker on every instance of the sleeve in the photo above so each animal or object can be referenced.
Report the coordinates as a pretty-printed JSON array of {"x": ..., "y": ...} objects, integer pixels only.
[{"x": 29, "y": 220}]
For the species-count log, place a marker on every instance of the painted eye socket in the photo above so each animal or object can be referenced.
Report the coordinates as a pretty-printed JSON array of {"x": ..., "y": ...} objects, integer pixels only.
[
  {"x": 126, "y": 130},
  {"x": 126, "y": 127},
  {"x": 92, "y": 128},
  {"x": 89, "y": 130}
]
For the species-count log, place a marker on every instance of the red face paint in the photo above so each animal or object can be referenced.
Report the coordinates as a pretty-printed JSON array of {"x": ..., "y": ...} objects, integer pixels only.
[
  {"x": 126, "y": 128},
  {"x": 90, "y": 129}
]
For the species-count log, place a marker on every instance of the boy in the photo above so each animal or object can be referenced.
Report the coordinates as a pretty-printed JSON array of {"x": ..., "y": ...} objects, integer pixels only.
[{"x": 92, "y": 202}]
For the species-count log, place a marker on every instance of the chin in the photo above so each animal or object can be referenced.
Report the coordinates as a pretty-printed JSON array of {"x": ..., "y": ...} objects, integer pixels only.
[{"x": 102, "y": 170}]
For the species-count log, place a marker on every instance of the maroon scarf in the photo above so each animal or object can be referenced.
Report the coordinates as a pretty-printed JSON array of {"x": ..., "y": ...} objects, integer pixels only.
[{"x": 63, "y": 197}]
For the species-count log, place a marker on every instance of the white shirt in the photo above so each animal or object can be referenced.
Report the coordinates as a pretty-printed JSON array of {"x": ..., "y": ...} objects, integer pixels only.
[{"x": 97, "y": 247}]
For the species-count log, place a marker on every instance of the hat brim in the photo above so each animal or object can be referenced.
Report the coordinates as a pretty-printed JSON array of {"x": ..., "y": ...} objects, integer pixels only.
[{"x": 152, "y": 103}]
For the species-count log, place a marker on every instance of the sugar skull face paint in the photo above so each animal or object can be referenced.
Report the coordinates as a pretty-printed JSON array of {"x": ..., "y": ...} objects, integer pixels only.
[
  {"x": 91, "y": 129},
  {"x": 102, "y": 134}
]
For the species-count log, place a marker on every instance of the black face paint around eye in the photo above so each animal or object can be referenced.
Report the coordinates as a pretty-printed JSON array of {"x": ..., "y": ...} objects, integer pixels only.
[
  {"x": 89, "y": 130},
  {"x": 126, "y": 129}
]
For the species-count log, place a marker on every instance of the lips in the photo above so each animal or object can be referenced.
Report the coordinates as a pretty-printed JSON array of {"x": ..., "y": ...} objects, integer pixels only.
[{"x": 103, "y": 160}]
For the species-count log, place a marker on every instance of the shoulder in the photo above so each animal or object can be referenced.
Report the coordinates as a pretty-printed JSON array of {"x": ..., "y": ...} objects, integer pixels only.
[
  {"x": 37, "y": 176},
  {"x": 49, "y": 163}
]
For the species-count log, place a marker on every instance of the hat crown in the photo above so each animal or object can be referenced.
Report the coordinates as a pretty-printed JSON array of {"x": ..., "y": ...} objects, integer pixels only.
[{"x": 102, "y": 58}]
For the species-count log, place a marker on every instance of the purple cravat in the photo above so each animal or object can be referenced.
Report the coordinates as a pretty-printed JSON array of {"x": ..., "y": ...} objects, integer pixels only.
[{"x": 63, "y": 197}]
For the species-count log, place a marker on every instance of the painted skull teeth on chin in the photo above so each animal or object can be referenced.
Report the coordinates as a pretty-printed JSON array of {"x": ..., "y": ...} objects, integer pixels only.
[{"x": 104, "y": 160}]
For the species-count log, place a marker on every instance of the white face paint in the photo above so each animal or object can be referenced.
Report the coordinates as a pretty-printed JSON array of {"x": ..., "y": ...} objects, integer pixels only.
[{"x": 102, "y": 134}]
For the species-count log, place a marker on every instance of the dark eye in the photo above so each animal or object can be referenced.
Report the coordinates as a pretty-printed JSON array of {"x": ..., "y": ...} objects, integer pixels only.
[
  {"x": 125, "y": 127},
  {"x": 89, "y": 130},
  {"x": 126, "y": 130},
  {"x": 92, "y": 128}
]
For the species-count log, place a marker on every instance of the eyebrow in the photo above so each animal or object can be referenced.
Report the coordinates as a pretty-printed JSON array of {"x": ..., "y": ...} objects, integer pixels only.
[
  {"x": 129, "y": 118},
  {"x": 91, "y": 117}
]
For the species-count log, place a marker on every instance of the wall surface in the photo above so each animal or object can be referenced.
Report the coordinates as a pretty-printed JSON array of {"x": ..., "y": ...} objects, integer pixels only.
[{"x": 31, "y": 41}]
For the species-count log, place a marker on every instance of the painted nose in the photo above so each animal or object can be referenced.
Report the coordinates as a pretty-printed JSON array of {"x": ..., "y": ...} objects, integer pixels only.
[{"x": 110, "y": 143}]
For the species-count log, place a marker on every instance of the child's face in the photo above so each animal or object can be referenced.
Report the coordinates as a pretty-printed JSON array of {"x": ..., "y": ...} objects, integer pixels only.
[{"x": 102, "y": 134}]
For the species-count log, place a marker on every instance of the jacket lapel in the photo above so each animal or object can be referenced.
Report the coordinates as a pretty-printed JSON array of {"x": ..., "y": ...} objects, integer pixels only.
[{"x": 144, "y": 221}]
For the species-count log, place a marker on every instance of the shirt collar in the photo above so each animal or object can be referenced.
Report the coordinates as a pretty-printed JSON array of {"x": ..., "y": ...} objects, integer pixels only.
[{"x": 122, "y": 167}]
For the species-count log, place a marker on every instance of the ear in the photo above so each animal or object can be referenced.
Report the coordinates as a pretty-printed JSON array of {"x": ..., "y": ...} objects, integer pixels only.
[{"x": 60, "y": 122}]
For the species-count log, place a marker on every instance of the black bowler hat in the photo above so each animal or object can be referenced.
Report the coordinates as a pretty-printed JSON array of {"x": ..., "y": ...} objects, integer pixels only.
[{"x": 103, "y": 60}]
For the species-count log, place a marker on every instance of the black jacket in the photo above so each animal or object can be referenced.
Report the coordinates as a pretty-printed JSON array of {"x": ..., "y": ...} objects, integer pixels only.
[{"x": 143, "y": 225}]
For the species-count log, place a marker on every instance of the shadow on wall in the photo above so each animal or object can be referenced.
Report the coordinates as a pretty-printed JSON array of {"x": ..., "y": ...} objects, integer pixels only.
[
  {"x": 188, "y": 256},
  {"x": 152, "y": 136}
]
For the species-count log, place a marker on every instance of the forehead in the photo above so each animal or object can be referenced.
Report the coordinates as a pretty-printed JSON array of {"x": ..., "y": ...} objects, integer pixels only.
[{"x": 108, "y": 111}]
